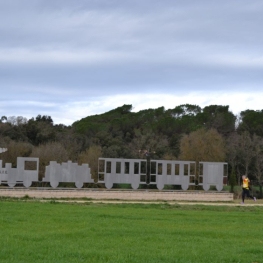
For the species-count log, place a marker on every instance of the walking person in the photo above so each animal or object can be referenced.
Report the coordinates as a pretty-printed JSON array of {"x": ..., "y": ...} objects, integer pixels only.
[{"x": 245, "y": 189}]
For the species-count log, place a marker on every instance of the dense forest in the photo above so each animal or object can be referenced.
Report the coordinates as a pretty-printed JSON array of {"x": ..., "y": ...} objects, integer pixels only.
[{"x": 187, "y": 132}]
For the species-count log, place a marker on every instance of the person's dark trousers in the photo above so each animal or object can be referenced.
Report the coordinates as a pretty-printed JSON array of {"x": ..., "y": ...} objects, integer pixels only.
[{"x": 246, "y": 192}]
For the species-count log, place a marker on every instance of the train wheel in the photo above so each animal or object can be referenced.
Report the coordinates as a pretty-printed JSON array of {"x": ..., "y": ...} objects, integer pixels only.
[
  {"x": 11, "y": 184},
  {"x": 184, "y": 186},
  {"x": 54, "y": 184},
  {"x": 135, "y": 186},
  {"x": 27, "y": 183},
  {"x": 219, "y": 187},
  {"x": 108, "y": 185},
  {"x": 206, "y": 187},
  {"x": 160, "y": 186},
  {"x": 79, "y": 184}
]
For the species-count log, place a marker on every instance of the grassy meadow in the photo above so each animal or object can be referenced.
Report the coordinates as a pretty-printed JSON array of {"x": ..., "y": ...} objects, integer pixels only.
[{"x": 32, "y": 231}]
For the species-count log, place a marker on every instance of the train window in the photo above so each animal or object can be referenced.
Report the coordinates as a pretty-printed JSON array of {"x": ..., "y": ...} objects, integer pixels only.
[
  {"x": 200, "y": 179},
  {"x": 169, "y": 169},
  {"x": 101, "y": 176},
  {"x": 201, "y": 169},
  {"x": 192, "y": 179},
  {"x": 153, "y": 167},
  {"x": 225, "y": 170},
  {"x": 143, "y": 167},
  {"x": 177, "y": 169},
  {"x": 153, "y": 178},
  {"x": 160, "y": 168},
  {"x": 225, "y": 174},
  {"x": 108, "y": 167},
  {"x": 31, "y": 165},
  {"x": 101, "y": 166},
  {"x": 136, "y": 168},
  {"x": 143, "y": 178},
  {"x": 186, "y": 169},
  {"x": 127, "y": 167},
  {"x": 118, "y": 167},
  {"x": 192, "y": 168}
]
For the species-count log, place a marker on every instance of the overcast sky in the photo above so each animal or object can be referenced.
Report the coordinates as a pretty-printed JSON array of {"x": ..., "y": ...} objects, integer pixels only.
[{"x": 74, "y": 58}]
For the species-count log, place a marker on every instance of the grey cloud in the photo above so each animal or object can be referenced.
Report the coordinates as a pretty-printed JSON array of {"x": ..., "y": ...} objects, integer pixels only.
[
  {"x": 82, "y": 49},
  {"x": 78, "y": 81},
  {"x": 82, "y": 23}
]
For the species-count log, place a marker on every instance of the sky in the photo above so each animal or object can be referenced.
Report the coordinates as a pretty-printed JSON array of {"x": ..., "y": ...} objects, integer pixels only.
[{"x": 70, "y": 59}]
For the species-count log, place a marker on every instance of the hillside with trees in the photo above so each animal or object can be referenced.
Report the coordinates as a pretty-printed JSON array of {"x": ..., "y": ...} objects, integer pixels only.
[{"x": 187, "y": 132}]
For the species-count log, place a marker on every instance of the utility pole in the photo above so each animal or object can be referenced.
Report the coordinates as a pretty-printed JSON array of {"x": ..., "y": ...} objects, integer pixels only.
[{"x": 148, "y": 154}]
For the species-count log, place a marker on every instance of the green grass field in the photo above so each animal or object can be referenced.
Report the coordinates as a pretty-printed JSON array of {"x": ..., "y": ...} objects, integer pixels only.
[{"x": 31, "y": 231}]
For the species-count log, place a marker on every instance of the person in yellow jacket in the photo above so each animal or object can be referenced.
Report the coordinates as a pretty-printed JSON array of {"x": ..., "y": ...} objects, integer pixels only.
[{"x": 245, "y": 189}]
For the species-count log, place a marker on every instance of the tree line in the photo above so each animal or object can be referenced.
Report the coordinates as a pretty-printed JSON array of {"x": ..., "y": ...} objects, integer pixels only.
[{"x": 187, "y": 132}]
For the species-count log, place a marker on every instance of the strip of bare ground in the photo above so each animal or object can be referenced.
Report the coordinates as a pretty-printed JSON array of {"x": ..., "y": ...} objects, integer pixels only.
[{"x": 120, "y": 195}]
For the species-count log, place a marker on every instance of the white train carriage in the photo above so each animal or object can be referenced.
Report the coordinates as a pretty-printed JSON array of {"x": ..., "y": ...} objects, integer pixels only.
[
  {"x": 121, "y": 171},
  {"x": 67, "y": 173},
  {"x": 25, "y": 173},
  {"x": 213, "y": 174},
  {"x": 160, "y": 173},
  {"x": 140, "y": 171},
  {"x": 167, "y": 172}
]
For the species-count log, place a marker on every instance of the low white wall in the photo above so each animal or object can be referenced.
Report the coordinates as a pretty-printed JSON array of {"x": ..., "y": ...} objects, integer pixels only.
[{"x": 103, "y": 194}]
